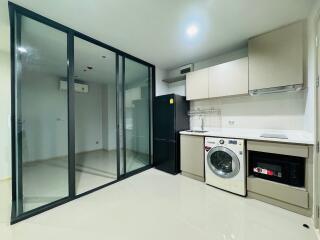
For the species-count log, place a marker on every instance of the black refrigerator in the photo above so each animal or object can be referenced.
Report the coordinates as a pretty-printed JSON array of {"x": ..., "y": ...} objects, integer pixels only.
[{"x": 170, "y": 117}]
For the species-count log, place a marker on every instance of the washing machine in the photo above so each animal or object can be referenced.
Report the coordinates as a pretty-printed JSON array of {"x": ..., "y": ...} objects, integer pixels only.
[{"x": 225, "y": 164}]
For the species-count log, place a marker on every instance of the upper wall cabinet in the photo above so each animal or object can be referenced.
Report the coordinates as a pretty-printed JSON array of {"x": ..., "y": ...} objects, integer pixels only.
[
  {"x": 229, "y": 78},
  {"x": 197, "y": 84},
  {"x": 276, "y": 58}
]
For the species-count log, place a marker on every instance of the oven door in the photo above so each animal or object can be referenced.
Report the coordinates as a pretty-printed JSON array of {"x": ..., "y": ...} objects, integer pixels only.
[{"x": 223, "y": 162}]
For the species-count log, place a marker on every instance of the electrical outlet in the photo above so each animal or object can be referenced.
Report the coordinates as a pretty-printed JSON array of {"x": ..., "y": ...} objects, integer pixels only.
[{"x": 231, "y": 122}]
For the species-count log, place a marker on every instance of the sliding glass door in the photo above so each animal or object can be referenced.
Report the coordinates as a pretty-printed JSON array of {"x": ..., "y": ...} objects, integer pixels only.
[
  {"x": 95, "y": 115},
  {"x": 136, "y": 115},
  {"x": 81, "y": 114},
  {"x": 41, "y": 111}
]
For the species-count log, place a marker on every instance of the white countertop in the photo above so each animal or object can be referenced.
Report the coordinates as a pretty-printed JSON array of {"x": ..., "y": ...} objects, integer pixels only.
[{"x": 293, "y": 136}]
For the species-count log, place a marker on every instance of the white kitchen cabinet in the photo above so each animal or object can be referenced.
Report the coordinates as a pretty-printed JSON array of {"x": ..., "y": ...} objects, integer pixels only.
[
  {"x": 192, "y": 156},
  {"x": 276, "y": 58},
  {"x": 197, "y": 84},
  {"x": 230, "y": 78}
]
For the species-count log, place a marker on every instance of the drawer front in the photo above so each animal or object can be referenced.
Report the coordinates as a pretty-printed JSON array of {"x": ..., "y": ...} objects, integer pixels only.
[
  {"x": 295, "y": 196},
  {"x": 279, "y": 148}
]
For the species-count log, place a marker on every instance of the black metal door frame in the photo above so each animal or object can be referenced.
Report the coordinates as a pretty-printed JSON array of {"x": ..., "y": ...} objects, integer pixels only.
[{"x": 17, "y": 183}]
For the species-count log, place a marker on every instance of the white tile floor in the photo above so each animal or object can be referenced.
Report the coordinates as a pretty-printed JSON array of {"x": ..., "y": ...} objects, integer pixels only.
[
  {"x": 155, "y": 205},
  {"x": 47, "y": 181}
]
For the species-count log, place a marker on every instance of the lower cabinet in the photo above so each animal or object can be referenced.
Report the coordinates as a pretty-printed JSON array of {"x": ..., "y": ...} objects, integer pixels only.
[
  {"x": 192, "y": 156},
  {"x": 298, "y": 199}
]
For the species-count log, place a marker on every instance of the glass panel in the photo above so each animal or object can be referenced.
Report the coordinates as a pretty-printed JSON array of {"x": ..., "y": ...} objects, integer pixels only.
[
  {"x": 95, "y": 115},
  {"x": 41, "y": 115},
  {"x": 222, "y": 161},
  {"x": 136, "y": 91}
]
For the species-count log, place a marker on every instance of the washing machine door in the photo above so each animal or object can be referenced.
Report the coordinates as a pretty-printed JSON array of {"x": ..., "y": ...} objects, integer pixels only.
[{"x": 223, "y": 162}]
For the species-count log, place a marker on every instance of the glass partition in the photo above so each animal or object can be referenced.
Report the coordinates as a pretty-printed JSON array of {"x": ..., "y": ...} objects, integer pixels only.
[
  {"x": 136, "y": 115},
  {"x": 80, "y": 114},
  {"x": 41, "y": 115},
  {"x": 95, "y": 115}
]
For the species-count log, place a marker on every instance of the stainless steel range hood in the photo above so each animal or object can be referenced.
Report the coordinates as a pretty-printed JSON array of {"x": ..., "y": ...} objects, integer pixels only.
[{"x": 289, "y": 88}]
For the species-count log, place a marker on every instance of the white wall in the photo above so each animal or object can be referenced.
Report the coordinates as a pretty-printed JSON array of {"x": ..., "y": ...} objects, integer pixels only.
[
  {"x": 105, "y": 132},
  {"x": 310, "y": 115},
  {"x": 177, "y": 88},
  {"x": 5, "y": 103},
  {"x": 309, "y": 121},
  {"x": 161, "y": 87},
  {"x": 88, "y": 119},
  {"x": 112, "y": 118},
  {"x": 5, "y": 98},
  {"x": 276, "y": 111},
  {"x": 45, "y": 118}
]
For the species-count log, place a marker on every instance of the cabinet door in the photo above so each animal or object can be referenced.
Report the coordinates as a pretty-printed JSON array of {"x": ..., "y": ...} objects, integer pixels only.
[
  {"x": 229, "y": 78},
  {"x": 276, "y": 58},
  {"x": 197, "y": 84},
  {"x": 192, "y": 155}
]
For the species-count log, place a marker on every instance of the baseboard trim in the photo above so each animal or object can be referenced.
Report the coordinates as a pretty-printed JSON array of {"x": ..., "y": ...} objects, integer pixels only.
[
  {"x": 195, "y": 177},
  {"x": 6, "y": 179}
]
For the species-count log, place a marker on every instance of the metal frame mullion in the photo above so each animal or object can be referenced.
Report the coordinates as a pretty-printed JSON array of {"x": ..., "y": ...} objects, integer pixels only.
[
  {"x": 150, "y": 113},
  {"x": 18, "y": 122},
  {"x": 17, "y": 184},
  {"x": 71, "y": 118},
  {"x": 117, "y": 115},
  {"x": 124, "y": 116},
  {"x": 153, "y": 93}
]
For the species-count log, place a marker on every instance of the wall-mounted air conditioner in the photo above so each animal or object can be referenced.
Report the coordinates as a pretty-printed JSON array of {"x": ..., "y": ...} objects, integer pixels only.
[{"x": 78, "y": 87}]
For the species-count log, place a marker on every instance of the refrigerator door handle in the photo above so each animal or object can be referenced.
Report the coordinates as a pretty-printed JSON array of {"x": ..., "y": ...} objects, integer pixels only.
[{"x": 160, "y": 139}]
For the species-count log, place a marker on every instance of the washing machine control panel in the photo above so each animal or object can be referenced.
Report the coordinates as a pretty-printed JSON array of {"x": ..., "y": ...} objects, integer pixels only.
[
  {"x": 221, "y": 141},
  {"x": 233, "y": 142}
]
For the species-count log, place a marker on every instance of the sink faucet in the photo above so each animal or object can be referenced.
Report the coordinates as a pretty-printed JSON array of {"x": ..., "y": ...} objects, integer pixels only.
[{"x": 202, "y": 124}]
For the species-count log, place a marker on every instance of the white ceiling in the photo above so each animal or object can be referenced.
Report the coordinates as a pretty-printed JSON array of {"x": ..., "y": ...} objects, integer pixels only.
[{"x": 154, "y": 30}]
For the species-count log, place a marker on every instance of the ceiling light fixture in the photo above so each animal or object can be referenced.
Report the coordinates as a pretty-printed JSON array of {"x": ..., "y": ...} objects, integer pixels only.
[
  {"x": 22, "y": 49},
  {"x": 192, "y": 30}
]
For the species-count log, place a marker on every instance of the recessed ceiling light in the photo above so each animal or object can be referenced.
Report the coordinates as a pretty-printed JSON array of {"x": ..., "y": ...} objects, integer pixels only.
[
  {"x": 192, "y": 30},
  {"x": 22, "y": 49}
]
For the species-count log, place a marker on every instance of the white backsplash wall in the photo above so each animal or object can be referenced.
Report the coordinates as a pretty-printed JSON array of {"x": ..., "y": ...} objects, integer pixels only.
[
  {"x": 272, "y": 111},
  {"x": 212, "y": 120}
]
